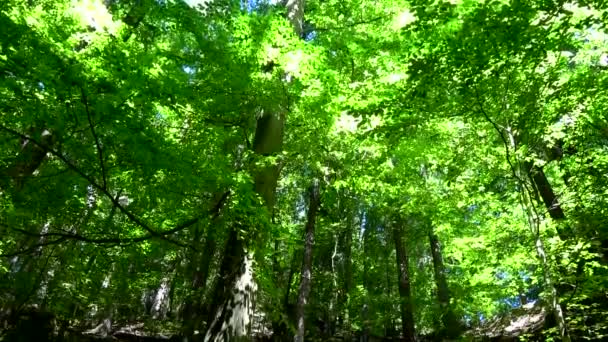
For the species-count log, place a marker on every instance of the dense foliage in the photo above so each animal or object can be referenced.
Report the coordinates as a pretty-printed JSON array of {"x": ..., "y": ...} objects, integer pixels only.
[{"x": 304, "y": 170}]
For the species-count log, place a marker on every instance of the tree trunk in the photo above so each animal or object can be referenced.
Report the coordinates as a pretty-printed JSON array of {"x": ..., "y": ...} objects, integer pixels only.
[
  {"x": 233, "y": 317},
  {"x": 558, "y": 312},
  {"x": 348, "y": 276},
  {"x": 161, "y": 303},
  {"x": 280, "y": 328},
  {"x": 550, "y": 200},
  {"x": 233, "y": 305},
  {"x": 295, "y": 15},
  {"x": 268, "y": 141},
  {"x": 450, "y": 323},
  {"x": 407, "y": 314},
  {"x": 194, "y": 312},
  {"x": 534, "y": 222},
  {"x": 30, "y": 157},
  {"x": 365, "y": 308},
  {"x": 309, "y": 240}
]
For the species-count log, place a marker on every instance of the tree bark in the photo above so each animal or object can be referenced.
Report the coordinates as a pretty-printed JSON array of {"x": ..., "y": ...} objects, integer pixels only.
[
  {"x": 407, "y": 311},
  {"x": 451, "y": 326},
  {"x": 295, "y": 15},
  {"x": 306, "y": 277},
  {"x": 234, "y": 309}
]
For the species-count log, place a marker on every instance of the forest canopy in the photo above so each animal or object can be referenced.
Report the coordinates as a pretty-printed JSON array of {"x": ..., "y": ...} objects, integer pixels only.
[{"x": 303, "y": 170}]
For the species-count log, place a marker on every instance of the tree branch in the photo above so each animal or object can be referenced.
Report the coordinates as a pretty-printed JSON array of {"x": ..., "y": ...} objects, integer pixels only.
[
  {"x": 357, "y": 23},
  {"x": 99, "y": 151},
  {"x": 499, "y": 131},
  {"x": 152, "y": 232},
  {"x": 63, "y": 236},
  {"x": 33, "y": 248}
]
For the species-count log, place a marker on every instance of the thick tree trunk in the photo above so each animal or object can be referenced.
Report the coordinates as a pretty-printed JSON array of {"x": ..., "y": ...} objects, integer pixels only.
[
  {"x": 309, "y": 240},
  {"x": 234, "y": 297},
  {"x": 268, "y": 141},
  {"x": 407, "y": 312},
  {"x": 295, "y": 15},
  {"x": 233, "y": 316},
  {"x": 451, "y": 326}
]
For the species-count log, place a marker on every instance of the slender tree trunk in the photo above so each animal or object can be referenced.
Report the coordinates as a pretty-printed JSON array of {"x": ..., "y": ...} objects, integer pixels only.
[
  {"x": 553, "y": 295},
  {"x": 365, "y": 309},
  {"x": 407, "y": 311},
  {"x": 449, "y": 320},
  {"x": 558, "y": 313},
  {"x": 192, "y": 317},
  {"x": 534, "y": 222},
  {"x": 309, "y": 240},
  {"x": 280, "y": 328},
  {"x": 348, "y": 276},
  {"x": 194, "y": 313},
  {"x": 388, "y": 328},
  {"x": 161, "y": 303},
  {"x": 333, "y": 313},
  {"x": 545, "y": 191}
]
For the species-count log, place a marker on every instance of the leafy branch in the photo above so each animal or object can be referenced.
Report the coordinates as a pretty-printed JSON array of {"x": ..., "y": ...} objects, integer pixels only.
[{"x": 138, "y": 221}]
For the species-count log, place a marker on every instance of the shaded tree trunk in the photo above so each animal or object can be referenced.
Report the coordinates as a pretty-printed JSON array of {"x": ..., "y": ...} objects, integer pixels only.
[
  {"x": 347, "y": 277},
  {"x": 407, "y": 311},
  {"x": 295, "y": 15},
  {"x": 161, "y": 304},
  {"x": 280, "y": 329},
  {"x": 195, "y": 312},
  {"x": 365, "y": 309},
  {"x": 306, "y": 277},
  {"x": 30, "y": 157},
  {"x": 526, "y": 195},
  {"x": 450, "y": 322},
  {"x": 547, "y": 195}
]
